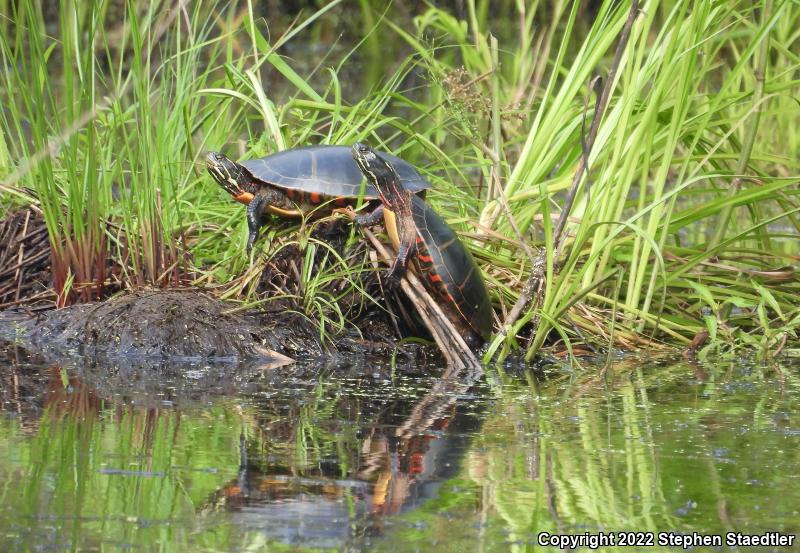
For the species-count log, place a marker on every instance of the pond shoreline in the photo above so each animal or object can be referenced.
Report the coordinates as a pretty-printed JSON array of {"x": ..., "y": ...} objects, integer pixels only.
[{"x": 178, "y": 324}]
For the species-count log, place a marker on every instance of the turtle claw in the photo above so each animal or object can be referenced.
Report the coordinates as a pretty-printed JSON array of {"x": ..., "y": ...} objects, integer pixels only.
[
  {"x": 348, "y": 212},
  {"x": 251, "y": 239},
  {"x": 391, "y": 281},
  {"x": 392, "y": 277}
]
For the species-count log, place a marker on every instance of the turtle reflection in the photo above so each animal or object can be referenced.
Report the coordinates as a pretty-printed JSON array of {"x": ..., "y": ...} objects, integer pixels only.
[{"x": 396, "y": 459}]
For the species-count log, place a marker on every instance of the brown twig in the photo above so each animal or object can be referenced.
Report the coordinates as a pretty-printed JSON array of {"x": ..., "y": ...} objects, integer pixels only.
[
  {"x": 24, "y": 257},
  {"x": 373, "y": 257},
  {"x": 534, "y": 287}
]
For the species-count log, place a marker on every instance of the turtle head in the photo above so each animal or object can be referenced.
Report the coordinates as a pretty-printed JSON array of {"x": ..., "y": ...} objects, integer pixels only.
[
  {"x": 228, "y": 174},
  {"x": 378, "y": 172}
]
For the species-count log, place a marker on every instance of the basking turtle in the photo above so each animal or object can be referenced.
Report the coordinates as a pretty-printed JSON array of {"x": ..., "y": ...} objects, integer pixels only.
[
  {"x": 297, "y": 182},
  {"x": 419, "y": 234}
]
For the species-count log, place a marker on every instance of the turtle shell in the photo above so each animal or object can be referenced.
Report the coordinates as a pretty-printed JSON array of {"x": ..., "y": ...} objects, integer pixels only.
[
  {"x": 450, "y": 269},
  {"x": 328, "y": 170}
]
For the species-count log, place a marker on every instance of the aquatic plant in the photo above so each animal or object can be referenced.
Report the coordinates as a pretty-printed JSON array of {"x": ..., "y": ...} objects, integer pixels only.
[{"x": 684, "y": 225}]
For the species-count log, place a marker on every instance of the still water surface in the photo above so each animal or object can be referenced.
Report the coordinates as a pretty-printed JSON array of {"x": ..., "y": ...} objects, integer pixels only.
[{"x": 361, "y": 457}]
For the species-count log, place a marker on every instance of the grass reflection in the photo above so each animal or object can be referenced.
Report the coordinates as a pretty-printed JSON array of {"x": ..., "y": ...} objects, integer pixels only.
[
  {"x": 649, "y": 448},
  {"x": 95, "y": 474}
]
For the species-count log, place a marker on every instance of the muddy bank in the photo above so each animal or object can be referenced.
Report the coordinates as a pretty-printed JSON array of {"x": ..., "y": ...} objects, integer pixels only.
[
  {"x": 175, "y": 322},
  {"x": 178, "y": 324},
  {"x": 162, "y": 324}
]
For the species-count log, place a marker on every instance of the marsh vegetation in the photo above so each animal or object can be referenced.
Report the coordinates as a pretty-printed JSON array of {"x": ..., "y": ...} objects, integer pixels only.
[{"x": 684, "y": 225}]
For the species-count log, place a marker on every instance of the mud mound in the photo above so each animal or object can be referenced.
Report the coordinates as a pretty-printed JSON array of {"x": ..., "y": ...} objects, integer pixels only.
[{"x": 173, "y": 323}]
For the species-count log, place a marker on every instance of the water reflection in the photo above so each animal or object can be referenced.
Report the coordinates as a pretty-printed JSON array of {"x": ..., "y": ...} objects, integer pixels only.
[
  {"x": 296, "y": 456},
  {"x": 325, "y": 480},
  {"x": 360, "y": 456}
]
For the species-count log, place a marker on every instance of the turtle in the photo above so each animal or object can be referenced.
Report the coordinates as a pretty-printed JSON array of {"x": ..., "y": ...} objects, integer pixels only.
[
  {"x": 420, "y": 235},
  {"x": 311, "y": 180}
]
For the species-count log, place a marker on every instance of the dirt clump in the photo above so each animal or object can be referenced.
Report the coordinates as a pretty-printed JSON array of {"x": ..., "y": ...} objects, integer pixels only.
[{"x": 176, "y": 323}]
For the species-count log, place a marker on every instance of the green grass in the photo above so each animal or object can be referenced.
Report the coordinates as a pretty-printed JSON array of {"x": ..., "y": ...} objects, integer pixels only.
[{"x": 686, "y": 220}]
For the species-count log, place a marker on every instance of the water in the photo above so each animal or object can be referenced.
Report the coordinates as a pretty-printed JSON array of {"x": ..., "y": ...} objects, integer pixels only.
[{"x": 365, "y": 457}]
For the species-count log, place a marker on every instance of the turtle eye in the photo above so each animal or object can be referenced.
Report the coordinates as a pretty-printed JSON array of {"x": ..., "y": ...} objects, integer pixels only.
[
  {"x": 219, "y": 157},
  {"x": 363, "y": 149}
]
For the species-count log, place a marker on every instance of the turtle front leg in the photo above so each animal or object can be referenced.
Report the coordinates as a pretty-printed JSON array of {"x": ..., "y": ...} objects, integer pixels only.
[
  {"x": 255, "y": 215},
  {"x": 407, "y": 247},
  {"x": 372, "y": 218},
  {"x": 366, "y": 220}
]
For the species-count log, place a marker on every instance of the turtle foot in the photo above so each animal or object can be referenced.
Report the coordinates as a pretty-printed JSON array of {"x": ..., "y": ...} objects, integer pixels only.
[{"x": 392, "y": 279}]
